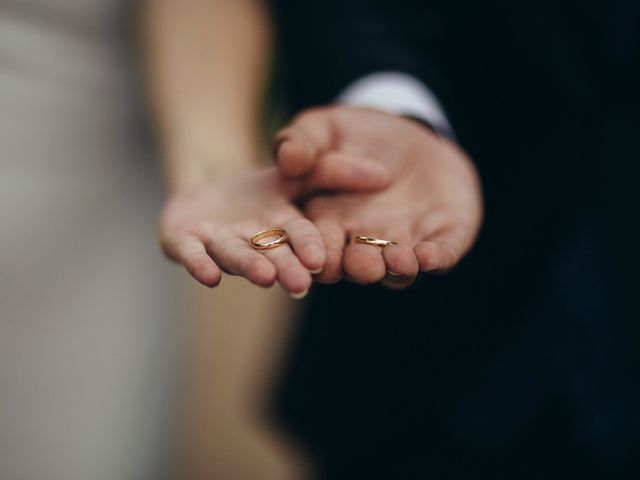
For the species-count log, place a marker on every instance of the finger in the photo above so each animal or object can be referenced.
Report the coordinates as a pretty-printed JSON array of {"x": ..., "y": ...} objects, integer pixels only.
[
  {"x": 297, "y": 147},
  {"x": 296, "y": 156},
  {"x": 401, "y": 265},
  {"x": 235, "y": 256},
  {"x": 190, "y": 252},
  {"x": 400, "y": 260},
  {"x": 292, "y": 274},
  {"x": 364, "y": 263},
  {"x": 334, "y": 240},
  {"x": 307, "y": 243},
  {"x": 442, "y": 251},
  {"x": 341, "y": 171}
]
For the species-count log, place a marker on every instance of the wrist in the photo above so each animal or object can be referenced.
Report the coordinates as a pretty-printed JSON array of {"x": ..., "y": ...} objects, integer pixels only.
[{"x": 189, "y": 168}]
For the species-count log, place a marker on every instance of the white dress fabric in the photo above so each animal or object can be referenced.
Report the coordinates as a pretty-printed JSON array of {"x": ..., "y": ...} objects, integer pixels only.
[{"x": 88, "y": 323}]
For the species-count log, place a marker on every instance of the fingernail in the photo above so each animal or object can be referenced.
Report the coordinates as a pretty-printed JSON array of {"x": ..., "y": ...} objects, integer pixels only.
[
  {"x": 393, "y": 274},
  {"x": 298, "y": 296},
  {"x": 315, "y": 272},
  {"x": 280, "y": 148}
]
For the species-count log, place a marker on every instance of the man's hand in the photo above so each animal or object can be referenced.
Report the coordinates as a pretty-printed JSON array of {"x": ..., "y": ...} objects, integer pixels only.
[
  {"x": 432, "y": 208},
  {"x": 206, "y": 228}
]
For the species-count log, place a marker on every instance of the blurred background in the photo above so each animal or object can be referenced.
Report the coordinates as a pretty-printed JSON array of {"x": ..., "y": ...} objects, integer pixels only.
[
  {"x": 115, "y": 365},
  {"x": 90, "y": 331}
]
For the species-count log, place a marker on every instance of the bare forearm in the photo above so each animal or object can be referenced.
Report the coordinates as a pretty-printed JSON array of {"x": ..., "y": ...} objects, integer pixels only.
[{"x": 206, "y": 63}]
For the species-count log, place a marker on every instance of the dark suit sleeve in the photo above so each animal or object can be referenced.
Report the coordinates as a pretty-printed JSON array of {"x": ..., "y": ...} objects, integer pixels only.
[{"x": 325, "y": 45}]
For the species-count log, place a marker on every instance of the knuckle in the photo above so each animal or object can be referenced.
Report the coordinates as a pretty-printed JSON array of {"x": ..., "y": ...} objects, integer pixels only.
[
  {"x": 253, "y": 263},
  {"x": 310, "y": 114}
]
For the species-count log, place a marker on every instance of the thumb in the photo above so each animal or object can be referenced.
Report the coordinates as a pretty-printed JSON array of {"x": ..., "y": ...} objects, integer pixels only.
[
  {"x": 349, "y": 173},
  {"x": 297, "y": 147}
]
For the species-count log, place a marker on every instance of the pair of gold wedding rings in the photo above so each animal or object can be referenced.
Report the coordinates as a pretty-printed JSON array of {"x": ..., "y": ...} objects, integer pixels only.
[{"x": 279, "y": 237}]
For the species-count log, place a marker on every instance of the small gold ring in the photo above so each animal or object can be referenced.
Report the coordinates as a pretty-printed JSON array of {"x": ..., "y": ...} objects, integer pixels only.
[
  {"x": 279, "y": 234},
  {"x": 377, "y": 242}
]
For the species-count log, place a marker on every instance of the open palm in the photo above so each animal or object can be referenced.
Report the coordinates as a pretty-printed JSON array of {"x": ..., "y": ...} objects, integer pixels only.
[
  {"x": 432, "y": 207},
  {"x": 207, "y": 228}
]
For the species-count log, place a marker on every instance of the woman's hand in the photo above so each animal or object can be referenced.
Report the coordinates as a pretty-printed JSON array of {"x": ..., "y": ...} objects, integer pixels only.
[{"x": 207, "y": 228}]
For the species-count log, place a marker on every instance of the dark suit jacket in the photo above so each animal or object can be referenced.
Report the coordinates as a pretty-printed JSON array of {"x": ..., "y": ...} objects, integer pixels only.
[{"x": 523, "y": 361}]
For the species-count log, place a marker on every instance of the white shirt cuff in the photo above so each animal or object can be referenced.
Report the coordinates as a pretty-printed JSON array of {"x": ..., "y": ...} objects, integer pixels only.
[{"x": 400, "y": 94}]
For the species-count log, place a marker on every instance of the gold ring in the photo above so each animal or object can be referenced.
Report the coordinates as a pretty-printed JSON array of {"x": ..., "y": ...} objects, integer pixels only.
[
  {"x": 279, "y": 234},
  {"x": 377, "y": 242}
]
